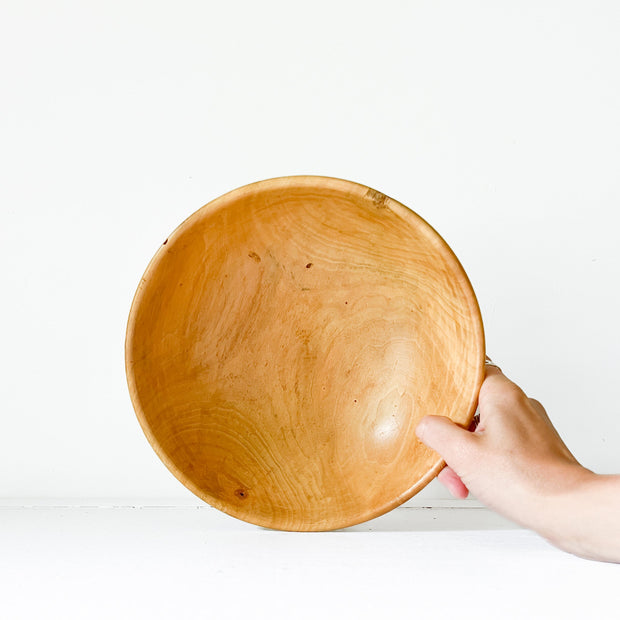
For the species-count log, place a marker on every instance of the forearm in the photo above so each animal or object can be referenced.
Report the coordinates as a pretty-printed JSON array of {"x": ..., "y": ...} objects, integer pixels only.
[{"x": 585, "y": 520}]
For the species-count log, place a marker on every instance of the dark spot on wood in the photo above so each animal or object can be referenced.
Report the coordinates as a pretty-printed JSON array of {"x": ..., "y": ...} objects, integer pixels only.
[
  {"x": 303, "y": 288},
  {"x": 254, "y": 256},
  {"x": 166, "y": 241},
  {"x": 308, "y": 265},
  {"x": 346, "y": 302},
  {"x": 377, "y": 198},
  {"x": 241, "y": 493},
  {"x": 355, "y": 400}
]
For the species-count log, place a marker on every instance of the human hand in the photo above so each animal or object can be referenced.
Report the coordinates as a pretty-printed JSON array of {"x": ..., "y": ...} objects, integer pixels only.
[{"x": 514, "y": 460}]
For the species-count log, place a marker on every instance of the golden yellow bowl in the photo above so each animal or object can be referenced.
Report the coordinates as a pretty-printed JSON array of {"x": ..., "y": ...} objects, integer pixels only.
[{"x": 286, "y": 339}]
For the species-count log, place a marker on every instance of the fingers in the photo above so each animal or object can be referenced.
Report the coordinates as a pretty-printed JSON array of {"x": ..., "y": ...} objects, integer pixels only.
[
  {"x": 497, "y": 390},
  {"x": 489, "y": 363},
  {"x": 492, "y": 370},
  {"x": 449, "y": 478},
  {"x": 493, "y": 376},
  {"x": 454, "y": 443}
]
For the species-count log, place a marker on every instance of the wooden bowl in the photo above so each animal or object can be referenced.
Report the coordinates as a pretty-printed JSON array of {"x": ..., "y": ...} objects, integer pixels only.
[{"x": 286, "y": 339}]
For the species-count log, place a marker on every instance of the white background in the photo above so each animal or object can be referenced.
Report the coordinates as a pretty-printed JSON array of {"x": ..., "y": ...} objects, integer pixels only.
[{"x": 497, "y": 122}]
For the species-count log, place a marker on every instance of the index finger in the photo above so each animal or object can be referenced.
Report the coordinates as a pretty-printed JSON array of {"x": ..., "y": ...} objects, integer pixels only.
[
  {"x": 491, "y": 368},
  {"x": 496, "y": 387}
]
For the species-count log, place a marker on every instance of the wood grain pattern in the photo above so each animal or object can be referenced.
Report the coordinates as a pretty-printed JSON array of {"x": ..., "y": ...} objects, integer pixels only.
[{"x": 286, "y": 339}]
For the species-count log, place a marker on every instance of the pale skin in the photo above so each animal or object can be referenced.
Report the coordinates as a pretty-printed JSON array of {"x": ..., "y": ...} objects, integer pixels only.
[{"x": 516, "y": 463}]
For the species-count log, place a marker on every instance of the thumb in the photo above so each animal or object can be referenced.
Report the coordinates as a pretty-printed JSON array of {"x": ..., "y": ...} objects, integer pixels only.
[{"x": 450, "y": 440}]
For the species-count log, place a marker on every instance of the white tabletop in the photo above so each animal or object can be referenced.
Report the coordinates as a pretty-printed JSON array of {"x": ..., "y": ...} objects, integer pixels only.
[{"x": 187, "y": 562}]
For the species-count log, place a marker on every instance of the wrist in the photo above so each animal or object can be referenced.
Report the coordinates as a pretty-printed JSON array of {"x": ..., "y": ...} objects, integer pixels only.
[{"x": 564, "y": 508}]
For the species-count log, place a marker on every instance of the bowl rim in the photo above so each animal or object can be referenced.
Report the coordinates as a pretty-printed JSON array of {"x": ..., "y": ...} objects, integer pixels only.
[{"x": 380, "y": 200}]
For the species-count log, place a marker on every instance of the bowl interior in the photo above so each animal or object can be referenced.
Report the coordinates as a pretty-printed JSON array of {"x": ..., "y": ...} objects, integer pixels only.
[{"x": 285, "y": 341}]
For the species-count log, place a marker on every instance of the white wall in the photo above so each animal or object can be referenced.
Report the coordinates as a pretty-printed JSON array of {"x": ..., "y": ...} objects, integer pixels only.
[{"x": 497, "y": 121}]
